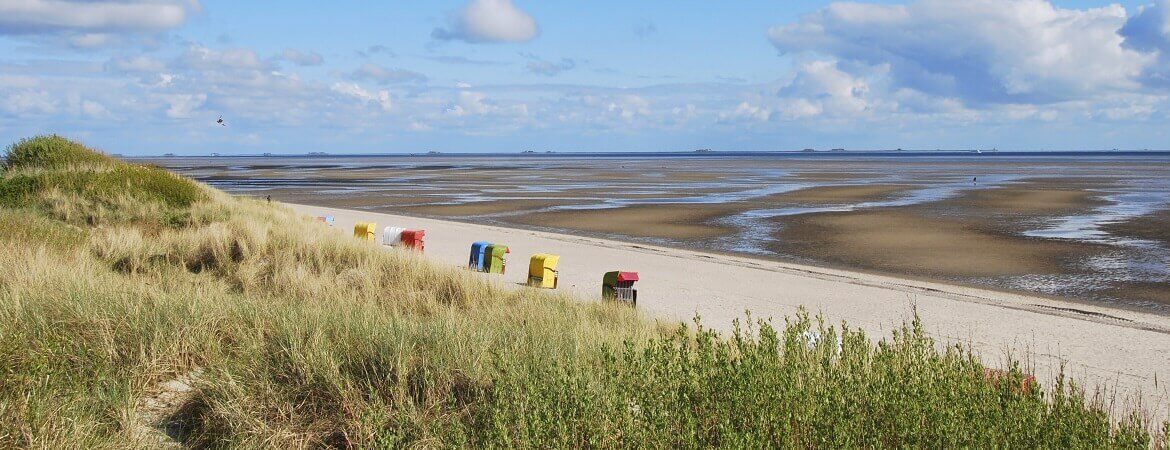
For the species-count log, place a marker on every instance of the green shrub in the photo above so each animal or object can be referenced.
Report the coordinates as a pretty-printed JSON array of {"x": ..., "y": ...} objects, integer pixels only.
[
  {"x": 52, "y": 152},
  {"x": 99, "y": 188}
]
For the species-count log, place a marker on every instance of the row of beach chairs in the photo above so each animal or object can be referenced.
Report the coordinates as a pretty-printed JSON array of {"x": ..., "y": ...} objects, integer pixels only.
[{"x": 490, "y": 257}]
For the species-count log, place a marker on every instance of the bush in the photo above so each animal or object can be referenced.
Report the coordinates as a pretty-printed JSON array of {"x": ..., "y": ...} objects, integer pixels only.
[
  {"x": 47, "y": 167},
  {"x": 52, "y": 152}
]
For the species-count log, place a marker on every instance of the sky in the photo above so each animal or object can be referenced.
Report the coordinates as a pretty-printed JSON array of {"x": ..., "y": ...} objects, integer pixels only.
[{"x": 141, "y": 77}]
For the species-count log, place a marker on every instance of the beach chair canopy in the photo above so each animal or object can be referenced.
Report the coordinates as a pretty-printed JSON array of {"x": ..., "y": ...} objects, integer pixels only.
[
  {"x": 496, "y": 256},
  {"x": 414, "y": 239},
  {"x": 613, "y": 278},
  {"x": 366, "y": 231},
  {"x": 475, "y": 261},
  {"x": 392, "y": 235},
  {"x": 619, "y": 285},
  {"x": 542, "y": 270}
]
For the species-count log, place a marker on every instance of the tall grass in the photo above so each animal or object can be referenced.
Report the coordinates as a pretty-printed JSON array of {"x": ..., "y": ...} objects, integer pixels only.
[{"x": 306, "y": 338}]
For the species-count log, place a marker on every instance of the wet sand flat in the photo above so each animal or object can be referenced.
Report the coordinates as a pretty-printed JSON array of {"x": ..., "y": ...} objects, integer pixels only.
[
  {"x": 906, "y": 242},
  {"x": 836, "y": 194},
  {"x": 471, "y": 209},
  {"x": 1154, "y": 227},
  {"x": 669, "y": 221}
]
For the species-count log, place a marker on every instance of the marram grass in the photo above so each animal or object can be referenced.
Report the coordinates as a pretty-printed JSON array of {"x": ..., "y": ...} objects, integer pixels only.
[{"x": 116, "y": 278}]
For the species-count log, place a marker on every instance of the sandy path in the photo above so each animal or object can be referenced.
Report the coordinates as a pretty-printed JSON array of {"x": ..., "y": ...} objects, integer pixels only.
[{"x": 1122, "y": 350}]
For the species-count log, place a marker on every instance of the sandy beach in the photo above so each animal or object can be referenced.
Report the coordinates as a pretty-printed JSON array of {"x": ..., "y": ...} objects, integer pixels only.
[{"x": 1119, "y": 349}]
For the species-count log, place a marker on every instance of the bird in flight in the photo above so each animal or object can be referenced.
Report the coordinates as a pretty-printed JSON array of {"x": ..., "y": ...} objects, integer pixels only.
[{"x": 221, "y": 122}]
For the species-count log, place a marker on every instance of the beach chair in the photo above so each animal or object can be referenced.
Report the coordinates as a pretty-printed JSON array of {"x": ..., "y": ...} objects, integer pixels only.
[
  {"x": 392, "y": 235},
  {"x": 476, "y": 260},
  {"x": 413, "y": 239},
  {"x": 495, "y": 258},
  {"x": 367, "y": 231},
  {"x": 542, "y": 270},
  {"x": 619, "y": 286}
]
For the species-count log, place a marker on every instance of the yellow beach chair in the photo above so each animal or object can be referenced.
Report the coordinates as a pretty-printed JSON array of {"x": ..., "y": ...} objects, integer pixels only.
[{"x": 542, "y": 270}]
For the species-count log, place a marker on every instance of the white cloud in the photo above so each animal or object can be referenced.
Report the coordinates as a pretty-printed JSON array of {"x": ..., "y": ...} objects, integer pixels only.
[
  {"x": 140, "y": 63},
  {"x": 819, "y": 87},
  {"x": 28, "y": 102},
  {"x": 1149, "y": 31},
  {"x": 353, "y": 90},
  {"x": 629, "y": 107},
  {"x": 489, "y": 21},
  {"x": 302, "y": 58},
  {"x": 200, "y": 57},
  {"x": 982, "y": 51},
  {"x": 39, "y": 16},
  {"x": 374, "y": 72},
  {"x": 183, "y": 106},
  {"x": 746, "y": 112},
  {"x": 470, "y": 103}
]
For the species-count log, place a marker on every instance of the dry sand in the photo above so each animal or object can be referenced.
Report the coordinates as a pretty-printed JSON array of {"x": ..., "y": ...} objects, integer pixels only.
[{"x": 1122, "y": 350}]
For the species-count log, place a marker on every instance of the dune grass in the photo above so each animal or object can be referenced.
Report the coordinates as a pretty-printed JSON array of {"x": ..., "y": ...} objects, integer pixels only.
[{"x": 302, "y": 337}]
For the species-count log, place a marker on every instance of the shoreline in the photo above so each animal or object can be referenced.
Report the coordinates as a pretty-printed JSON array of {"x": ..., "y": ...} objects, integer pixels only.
[{"x": 1119, "y": 349}]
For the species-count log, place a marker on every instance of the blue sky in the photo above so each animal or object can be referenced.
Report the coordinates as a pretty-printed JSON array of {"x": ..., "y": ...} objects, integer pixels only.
[{"x": 152, "y": 76}]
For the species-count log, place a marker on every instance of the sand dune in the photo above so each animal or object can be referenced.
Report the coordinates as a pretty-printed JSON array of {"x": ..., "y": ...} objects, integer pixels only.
[{"x": 1120, "y": 349}]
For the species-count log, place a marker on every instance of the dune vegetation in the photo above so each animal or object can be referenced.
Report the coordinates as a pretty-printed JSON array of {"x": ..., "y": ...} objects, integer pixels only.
[{"x": 141, "y": 309}]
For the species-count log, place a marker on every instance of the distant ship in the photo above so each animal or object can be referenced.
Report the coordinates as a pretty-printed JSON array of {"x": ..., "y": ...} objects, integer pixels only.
[
  {"x": 169, "y": 155},
  {"x": 703, "y": 150},
  {"x": 267, "y": 154},
  {"x": 528, "y": 151},
  {"x": 318, "y": 154},
  {"x": 837, "y": 150},
  {"x": 215, "y": 154},
  {"x": 433, "y": 152}
]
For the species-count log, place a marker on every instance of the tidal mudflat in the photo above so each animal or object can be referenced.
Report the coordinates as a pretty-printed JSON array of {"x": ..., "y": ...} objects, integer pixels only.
[{"x": 1090, "y": 228}]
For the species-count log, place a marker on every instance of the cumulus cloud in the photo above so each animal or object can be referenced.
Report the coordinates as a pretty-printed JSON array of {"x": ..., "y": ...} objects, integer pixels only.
[
  {"x": 821, "y": 86},
  {"x": 488, "y": 21},
  {"x": 985, "y": 51},
  {"x": 302, "y": 58},
  {"x": 374, "y": 72},
  {"x": 1149, "y": 31},
  {"x": 353, "y": 90},
  {"x": 29, "y": 102},
  {"x": 183, "y": 106},
  {"x": 94, "y": 16},
  {"x": 470, "y": 103}
]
